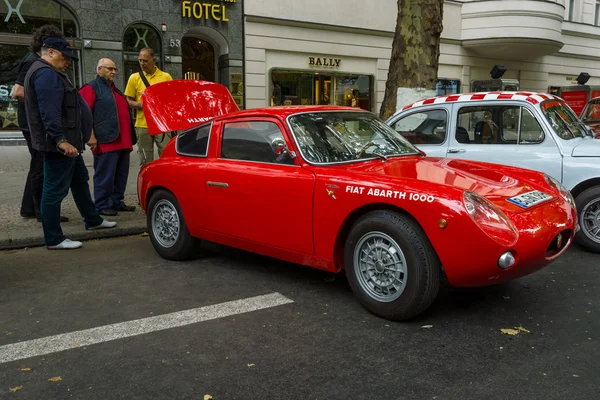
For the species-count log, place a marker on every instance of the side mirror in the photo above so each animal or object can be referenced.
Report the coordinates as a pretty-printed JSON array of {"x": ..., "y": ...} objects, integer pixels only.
[{"x": 283, "y": 149}]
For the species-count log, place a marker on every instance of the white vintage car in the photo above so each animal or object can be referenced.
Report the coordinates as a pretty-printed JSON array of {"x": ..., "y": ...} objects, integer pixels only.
[{"x": 528, "y": 130}]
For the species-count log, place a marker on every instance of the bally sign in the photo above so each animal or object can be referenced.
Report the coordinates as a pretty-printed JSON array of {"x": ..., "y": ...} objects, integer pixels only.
[{"x": 325, "y": 62}]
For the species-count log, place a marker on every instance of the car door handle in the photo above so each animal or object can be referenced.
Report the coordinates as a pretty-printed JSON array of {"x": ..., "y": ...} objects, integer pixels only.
[
  {"x": 217, "y": 184},
  {"x": 456, "y": 150}
]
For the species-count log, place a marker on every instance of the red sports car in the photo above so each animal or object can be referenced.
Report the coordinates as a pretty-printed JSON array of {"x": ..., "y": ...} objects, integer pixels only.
[{"x": 335, "y": 188}]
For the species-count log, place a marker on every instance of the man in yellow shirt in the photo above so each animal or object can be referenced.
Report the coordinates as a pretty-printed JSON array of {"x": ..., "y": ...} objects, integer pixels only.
[{"x": 133, "y": 91}]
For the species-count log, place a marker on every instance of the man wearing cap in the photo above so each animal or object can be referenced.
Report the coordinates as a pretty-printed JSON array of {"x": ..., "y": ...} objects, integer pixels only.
[
  {"x": 60, "y": 123},
  {"x": 137, "y": 83},
  {"x": 112, "y": 128}
]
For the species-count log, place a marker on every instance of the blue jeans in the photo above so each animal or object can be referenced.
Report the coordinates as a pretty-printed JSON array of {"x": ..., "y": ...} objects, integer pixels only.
[
  {"x": 111, "y": 171},
  {"x": 60, "y": 174}
]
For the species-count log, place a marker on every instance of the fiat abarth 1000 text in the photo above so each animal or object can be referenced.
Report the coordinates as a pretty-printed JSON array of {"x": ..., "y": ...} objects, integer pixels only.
[
  {"x": 336, "y": 188},
  {"x": 536, "y": 131}
]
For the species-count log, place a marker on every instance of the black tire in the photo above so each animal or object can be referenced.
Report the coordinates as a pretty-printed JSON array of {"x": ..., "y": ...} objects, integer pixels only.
[
  {"x": 183, "y": 245},
  {"x": 422, "y": 267},
  {"x": 588, "y": 202}
]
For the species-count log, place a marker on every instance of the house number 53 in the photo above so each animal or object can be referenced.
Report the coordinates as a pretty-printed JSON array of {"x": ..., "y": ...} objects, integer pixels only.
[{"x": 175, "y": 43}]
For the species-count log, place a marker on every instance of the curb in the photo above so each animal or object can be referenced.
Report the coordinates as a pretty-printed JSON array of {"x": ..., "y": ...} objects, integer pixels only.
[{"x": 15, "y": 240}]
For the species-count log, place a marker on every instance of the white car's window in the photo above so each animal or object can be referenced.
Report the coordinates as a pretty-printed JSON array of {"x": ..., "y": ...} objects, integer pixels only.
[
  {"x": 563, "y": 120},
  {"x": 254, "y": 141},
  {"x": 427, "y": 127},
  {"x": 502, "y": 124},
  {"x": 341, "y": 136}
]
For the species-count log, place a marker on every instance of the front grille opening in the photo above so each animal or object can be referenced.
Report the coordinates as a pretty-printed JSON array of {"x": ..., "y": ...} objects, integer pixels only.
[{"x": 559, "y": 242}]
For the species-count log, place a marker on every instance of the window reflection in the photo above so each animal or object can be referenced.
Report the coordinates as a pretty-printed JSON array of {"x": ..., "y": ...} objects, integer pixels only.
[{"x": 317, "y": 88}]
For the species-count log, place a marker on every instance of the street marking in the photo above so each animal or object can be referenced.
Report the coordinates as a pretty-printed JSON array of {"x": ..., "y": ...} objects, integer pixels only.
[{"x": 86, "y": 337}]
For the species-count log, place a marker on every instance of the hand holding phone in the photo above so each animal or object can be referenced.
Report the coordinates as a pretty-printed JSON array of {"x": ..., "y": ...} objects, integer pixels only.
[{"x": 67, "y": 149}]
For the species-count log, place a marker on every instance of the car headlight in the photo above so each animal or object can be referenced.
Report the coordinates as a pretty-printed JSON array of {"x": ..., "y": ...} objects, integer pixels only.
[
  {"x": 559, "y": 187},
  {"x": 490, "y": 218}
]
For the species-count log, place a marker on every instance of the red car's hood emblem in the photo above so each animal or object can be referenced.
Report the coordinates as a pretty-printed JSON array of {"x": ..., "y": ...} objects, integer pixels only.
[{"x": 180, "y": 104}]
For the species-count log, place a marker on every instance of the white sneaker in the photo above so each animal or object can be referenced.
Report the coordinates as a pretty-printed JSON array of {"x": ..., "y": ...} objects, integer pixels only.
[
  {"x": 104, "y": 225},
  {"x": 66, "y": 244}
]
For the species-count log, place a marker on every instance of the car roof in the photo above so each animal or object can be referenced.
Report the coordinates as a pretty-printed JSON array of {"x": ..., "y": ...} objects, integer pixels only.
[
  {"x": 284, "y": 111},
  {"x": 532, "y": 97}
]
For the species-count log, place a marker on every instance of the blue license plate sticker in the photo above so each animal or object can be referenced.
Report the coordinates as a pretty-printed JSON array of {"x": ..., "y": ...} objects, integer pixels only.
[{"x": 530, "y": 199}]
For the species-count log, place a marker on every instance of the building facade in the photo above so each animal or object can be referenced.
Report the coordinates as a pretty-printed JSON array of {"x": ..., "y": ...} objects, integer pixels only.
[
  {"x": 192, "y": 40},
  {"x": 338, "y": 52},
  {"x": 309, "y": 51}
]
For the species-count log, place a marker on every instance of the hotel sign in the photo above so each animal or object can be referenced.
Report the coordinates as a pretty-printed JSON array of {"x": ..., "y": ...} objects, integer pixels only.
[
  {"x": 207, "y": 11},
  {"x": 324, "y": 62}
]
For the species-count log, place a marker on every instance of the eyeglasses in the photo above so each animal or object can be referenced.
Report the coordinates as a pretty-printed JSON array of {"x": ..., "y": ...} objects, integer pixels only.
[{"x": 111, "y": 69}]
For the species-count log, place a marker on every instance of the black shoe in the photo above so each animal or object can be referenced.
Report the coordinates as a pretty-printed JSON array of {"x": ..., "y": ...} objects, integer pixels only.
[
  {"x": 124, "y": 207},
  {"x": 62, "y": 219},
  {"x": 28, "y": 216},
  {"x": 108, "y": 212}
]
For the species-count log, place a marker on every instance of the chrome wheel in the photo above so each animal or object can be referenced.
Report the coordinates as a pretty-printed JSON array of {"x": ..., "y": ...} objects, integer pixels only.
[
  {"x": 380, "y": 267},
  {"x": 165, "y": 223},
  {"x": 590, "y": 220}
]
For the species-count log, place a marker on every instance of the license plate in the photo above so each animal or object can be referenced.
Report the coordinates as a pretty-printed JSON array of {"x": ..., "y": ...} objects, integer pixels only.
[{"x": 530, "y": 199}]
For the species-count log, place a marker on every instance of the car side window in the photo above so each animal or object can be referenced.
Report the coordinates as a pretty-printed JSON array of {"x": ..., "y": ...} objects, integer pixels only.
[
  {"x": 258, "y": 141},
  {"x": 506, "y": 124},
  {"x": 426, "y": 127},
  {"x": 194, "y": 142}
]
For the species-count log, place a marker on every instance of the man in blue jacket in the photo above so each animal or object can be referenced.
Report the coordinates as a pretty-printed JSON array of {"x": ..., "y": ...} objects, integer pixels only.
[{"x": 60, "y": 124}]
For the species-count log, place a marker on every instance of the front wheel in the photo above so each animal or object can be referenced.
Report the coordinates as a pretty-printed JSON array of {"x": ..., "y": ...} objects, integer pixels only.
[
  {"x": 391, "y": 266},
  {"x": 588, "y": 208},
  {"x": 167, "y": 229}
]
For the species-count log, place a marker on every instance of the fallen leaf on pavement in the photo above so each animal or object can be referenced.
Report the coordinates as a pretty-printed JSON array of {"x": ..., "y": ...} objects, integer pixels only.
[
  {"x": 16, "y": 388},
  {"x": 25, "y": 369},
  {"x": 427, "y": 326},
  {"x": 576, "y": 376},
  {"x": 251, "y": 365},
  {"x": 144, "y": 234},
  {"x": 208, "y": 397},
  {"x": 55, "y": 379},
  {"x": 506, "y": 297},
  {"x": 521, "y": 329},
  {"x": 508, "y": 331}
]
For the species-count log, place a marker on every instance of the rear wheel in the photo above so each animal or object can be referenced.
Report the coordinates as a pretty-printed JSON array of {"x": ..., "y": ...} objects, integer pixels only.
[
  {"x": 167, "y": 229},
  {"x": 588, "y": 208},
  {"x": 391, "y": 266}
]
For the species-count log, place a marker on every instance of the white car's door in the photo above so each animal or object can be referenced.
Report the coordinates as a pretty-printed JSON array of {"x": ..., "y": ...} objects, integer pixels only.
[
  {"x": 504, "y": 133},
  {"x": 427, "y": 128}
]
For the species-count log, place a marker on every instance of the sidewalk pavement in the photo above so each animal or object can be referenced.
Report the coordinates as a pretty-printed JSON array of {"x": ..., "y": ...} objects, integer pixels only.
[{"x": 18, "y": 232}]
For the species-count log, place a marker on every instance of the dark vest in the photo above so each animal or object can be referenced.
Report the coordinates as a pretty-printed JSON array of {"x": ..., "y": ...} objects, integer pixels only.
[
  {"x": 71, "y": 112},
  {"x": 106, "y": 115}
]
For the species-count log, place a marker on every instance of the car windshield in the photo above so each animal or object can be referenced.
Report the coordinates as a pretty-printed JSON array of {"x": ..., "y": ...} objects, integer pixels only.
[
  {"x": 591, "y": 111},
  {"x": 563, "y": 120},
  {"x": 338, "y": 136}
]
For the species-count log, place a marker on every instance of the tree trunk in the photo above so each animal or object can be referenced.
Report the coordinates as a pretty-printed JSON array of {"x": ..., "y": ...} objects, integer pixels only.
[{"x": 415, "y": 50}]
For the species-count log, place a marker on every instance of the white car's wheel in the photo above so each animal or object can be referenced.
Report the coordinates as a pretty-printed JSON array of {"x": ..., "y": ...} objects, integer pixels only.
[
  {"x": 588, "y": 208},
  {"x": 391, "y": 265}
]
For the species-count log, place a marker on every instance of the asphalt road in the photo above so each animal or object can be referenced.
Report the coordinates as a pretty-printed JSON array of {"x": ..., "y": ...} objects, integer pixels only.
[{"x": 314, "y": 342}]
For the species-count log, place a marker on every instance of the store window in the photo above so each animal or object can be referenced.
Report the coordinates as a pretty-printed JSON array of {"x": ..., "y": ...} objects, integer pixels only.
[
  {"x": 18, "y": 20},
  {"x": 315, "y": 88},
  {"x": 447, "y": 86},
  {"x": 135, "y": 38}
]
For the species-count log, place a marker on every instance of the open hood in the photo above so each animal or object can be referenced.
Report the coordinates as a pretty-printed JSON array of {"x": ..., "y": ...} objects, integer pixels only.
[
  {"x": 180, "y": 104},
  {"x": 587, "y": 148}
]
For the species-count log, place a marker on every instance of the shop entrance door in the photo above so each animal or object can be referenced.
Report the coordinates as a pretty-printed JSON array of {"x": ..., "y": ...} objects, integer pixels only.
[
  {"x": 322, "y": 89},
  {"x": 198, "y": 59}
]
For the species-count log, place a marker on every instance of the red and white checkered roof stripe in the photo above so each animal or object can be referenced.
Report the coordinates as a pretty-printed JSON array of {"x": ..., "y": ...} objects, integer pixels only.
[{"x": 533, "y": 98}]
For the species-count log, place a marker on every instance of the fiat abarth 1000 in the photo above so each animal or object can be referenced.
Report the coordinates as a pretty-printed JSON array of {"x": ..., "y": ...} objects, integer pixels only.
[
  {"x": 335, "y": 188},
  {"x": 535, "y": 131}
]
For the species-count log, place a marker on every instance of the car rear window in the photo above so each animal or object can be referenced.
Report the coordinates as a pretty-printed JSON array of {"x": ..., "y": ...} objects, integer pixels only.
[{"x": 194, "y": 142}]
